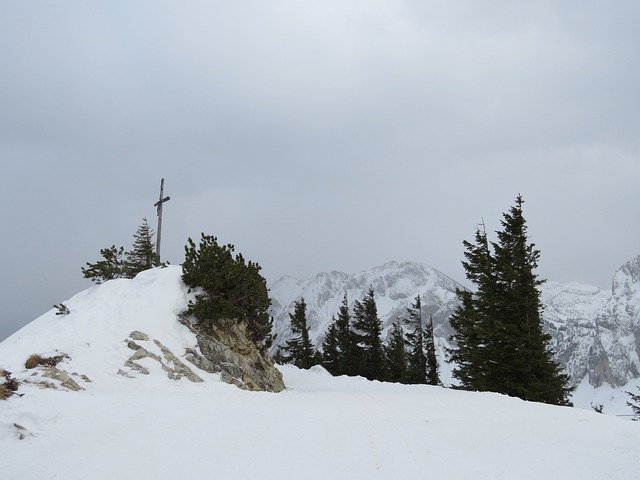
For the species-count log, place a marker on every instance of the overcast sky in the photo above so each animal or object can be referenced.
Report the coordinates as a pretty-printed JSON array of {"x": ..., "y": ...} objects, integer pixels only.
[{"x": 315, "y": 135}]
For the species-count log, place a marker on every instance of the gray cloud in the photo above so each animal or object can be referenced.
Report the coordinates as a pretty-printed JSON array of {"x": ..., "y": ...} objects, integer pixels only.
[{"x": 315, "y": 136}]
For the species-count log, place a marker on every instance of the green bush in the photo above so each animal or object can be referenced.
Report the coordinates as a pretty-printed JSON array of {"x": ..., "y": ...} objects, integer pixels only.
[{"x": 231, "y": 288}]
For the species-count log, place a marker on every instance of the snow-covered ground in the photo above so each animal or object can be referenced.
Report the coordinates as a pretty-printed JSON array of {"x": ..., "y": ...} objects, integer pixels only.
[{"x": 152, "y": 427}]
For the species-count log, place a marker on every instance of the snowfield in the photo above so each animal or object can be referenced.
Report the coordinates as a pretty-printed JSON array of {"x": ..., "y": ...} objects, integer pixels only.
[{"x": 151, "y": 427}]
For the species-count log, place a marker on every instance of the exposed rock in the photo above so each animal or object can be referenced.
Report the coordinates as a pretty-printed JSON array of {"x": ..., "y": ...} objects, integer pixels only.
[
  {"x": 137, "y": 335},
  {"x": 21, "y": 432},
  {"x": 227, "y": 349},
  {"x": 63, "y": 377},
  {"x": 169, "y": 363}
]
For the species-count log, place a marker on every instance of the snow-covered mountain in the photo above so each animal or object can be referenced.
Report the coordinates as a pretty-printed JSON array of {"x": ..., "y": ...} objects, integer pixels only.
[
  {"x": 396, "y": 285},
  {"x": 96, "y": 415},
  {"x": 595, "y": 333}
]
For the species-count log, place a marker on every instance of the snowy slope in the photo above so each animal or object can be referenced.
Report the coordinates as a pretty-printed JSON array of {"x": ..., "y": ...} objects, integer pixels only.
[{"x": 137, "y": 426}]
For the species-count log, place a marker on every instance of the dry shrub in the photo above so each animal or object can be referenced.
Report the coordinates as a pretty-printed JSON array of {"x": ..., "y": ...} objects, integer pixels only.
[
  {"x": 9, "y": 387},
  {"x": 34, "y": 360}
]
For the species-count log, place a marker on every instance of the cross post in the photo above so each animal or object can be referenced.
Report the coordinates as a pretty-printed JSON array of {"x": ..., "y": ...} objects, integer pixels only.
[{"x": 158, "y": 205}]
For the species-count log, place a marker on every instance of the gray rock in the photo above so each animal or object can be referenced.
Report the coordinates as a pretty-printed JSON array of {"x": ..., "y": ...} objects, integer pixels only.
[
  {"x": 227, "y": 349},
  {"x": 137, "y": 335}
]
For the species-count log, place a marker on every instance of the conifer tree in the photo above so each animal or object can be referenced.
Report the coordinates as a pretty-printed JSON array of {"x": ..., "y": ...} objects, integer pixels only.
[
  {"x": 347, "y": 340},
  {"x": 331, "y": 355},
  {"x": 339, "y": 349},
  {"x": 433, "y": 370},
  {"x": 368, "y": 332},
  {"x": 417, "y": 360},
  {"x": 232, "y": 288},
  {"x": 142, "y": 255},
  {"x": 396, "y": 354},
  {"x": 634, "y": 403},
  {"x": 500, "y": 345},
  {"x": 472, "y": 320},
  {"x": 111, "y": 266},
  {"x": 299, "y": 350}
]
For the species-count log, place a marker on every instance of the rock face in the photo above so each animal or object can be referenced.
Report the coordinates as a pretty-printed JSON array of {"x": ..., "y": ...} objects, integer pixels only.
[
  {"x": 227, "y": 349},
  {"x": 617, "y": 331}
]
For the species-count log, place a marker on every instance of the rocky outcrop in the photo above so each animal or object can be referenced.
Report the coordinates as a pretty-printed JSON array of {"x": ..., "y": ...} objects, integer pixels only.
[
  {"x": 172, "y": 365},
  {"x": 226, "y": 348},
  {"x": 46, "y": 369}
]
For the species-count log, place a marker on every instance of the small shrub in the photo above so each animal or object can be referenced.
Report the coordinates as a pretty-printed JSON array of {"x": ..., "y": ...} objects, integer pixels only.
[
  {"x": 62, "y": 309},
  {"x": 9, "y": 387},
  {"x": 34, "y": 360}
]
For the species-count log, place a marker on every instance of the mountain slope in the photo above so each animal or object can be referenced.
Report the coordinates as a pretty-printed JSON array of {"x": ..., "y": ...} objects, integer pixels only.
[
  {"x": 396, "y": 284},
  {"x": 595, "y": 333},
  {"x": 155, "y": 425}
]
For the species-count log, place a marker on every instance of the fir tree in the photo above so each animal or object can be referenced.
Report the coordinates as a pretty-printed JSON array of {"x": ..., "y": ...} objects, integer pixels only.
[
  {"x": 299, "y": 350},
  {"x": 433, "y": 370},
  {"x": 346, "y": 340},
  {"x": 634, "y": 404},
  {"x": 417, "y": 360},
  {"x": 142, "y": 256},
  {"x": 339, "y": 348},
  {"x": 368, "y": 332},
  {"x": 500, "y": 345},
  {"x": 111, "y": 266},
  {"x": 331, "y": 354},
  {"x": 231, "y": 288},
  {"x": 472, "y": 320},
  {"x": 396, "y": 354}
]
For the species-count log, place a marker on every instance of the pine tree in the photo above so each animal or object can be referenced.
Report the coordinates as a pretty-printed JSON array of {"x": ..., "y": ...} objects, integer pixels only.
[
  {"x": 417, "y": 360},
  {"x": 396, "y": 354},
  {"x": 349, "y": 363},
  {"x": 331, "y": 355},
  {"x": 142, "y": 256},
  {"x": 634, "y": 404},
  {"x": 500, "y": 344},
  {"x": 368, "y": 331},
  {"x": 473, "y": 337},
  {"x": 433, "y": 370},
  {"x": 232, "y": 288},
  {"x": 340, "y": 356},
  {"x": 299, "y": 350},
  {"x": 111, "y": 266}
]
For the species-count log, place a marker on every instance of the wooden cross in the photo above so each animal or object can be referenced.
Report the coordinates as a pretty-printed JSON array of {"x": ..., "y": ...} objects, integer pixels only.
[{"x": 159, "y": 204}]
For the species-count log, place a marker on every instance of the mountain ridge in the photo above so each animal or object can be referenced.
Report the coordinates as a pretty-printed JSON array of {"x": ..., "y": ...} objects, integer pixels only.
[{"x": 590, "y": 327}]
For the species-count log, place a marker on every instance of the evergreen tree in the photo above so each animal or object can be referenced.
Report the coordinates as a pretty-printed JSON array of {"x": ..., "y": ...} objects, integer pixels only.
[
  {"x": 299, "y": 350},
  {"x": 500, "y": 345},
  {"x": 472, "y": 320},
  {"x": 368, "y": 332},
  {"x": 231, "y": 288},
  {"x": 331, "y": 354},
  {"x": 142, "y": 256},
  {"x": 634, "y": 404},
  {"x": 346, "y": 340},
  {"x": 417, "y": 360},
  {"x": 396, "y": 354},
  {"x": 111, "y": 266},
  {"x": 339, "y": 349},
  {"x": 433, "y": 373}
]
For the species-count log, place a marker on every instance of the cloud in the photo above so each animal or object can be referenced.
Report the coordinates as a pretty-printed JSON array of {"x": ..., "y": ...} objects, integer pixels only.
[{"x": 322, "y": 135}]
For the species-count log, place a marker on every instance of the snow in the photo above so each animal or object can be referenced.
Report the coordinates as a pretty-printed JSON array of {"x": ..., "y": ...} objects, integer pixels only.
[{"x": 151, "y": 427}]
